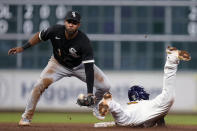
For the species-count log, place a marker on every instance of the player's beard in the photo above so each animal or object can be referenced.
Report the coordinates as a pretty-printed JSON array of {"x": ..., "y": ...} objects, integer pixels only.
[{"x": 70, "y": 32}]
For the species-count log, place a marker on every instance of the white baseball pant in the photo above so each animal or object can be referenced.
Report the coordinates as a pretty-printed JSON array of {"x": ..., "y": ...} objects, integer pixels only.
[{"x": 147, "y": 111}]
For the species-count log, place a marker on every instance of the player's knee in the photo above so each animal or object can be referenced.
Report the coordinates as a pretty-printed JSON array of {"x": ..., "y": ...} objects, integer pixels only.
[
  {"x": 168, "y": 100},
  {"x": 170, "y": 103},
  {"x": 44, "y": 84},
  {"x": 171, "y": 98},
  {"x": 106, "y": 87},
  {"x": 47, "y": 81}
]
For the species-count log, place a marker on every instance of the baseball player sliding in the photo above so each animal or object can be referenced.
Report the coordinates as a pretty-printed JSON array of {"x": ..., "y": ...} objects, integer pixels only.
[
  {"x": 72, "y": 56},
  {"x": 143, "y": 112}
]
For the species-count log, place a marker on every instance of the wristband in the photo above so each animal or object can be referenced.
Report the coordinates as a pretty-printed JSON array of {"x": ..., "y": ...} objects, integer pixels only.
[{"x": 26, "y": 45}]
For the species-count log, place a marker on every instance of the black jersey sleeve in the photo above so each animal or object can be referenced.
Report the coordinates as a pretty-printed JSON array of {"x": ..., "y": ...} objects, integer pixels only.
[
  {"x": 88, "y": 61},
  {"x": 89, "y": 70},
  {"x": 46, "y": 34},
  {"x": 87, "y": 53}
]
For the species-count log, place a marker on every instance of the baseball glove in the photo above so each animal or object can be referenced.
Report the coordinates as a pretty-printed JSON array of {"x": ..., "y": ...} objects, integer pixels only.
[{"x": 85, "y": 100}]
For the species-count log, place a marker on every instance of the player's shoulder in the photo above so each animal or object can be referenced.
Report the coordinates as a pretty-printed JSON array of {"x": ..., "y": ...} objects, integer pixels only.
[
  {"x": 83, "y": 36},
  {"x": 57, "y": 27}
]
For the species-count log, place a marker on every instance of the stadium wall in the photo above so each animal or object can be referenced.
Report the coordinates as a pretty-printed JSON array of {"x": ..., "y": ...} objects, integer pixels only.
[{"x": 16, "y": 85}]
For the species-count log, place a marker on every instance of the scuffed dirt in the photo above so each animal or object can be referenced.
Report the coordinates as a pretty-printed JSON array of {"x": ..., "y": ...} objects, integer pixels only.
[{"x": 86, "y": 127}]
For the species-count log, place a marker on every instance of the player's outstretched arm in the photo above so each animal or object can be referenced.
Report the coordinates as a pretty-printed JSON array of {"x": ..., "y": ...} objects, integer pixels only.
[
  {"x": 15, "y": 50},
  {"x": 33, "y": 41}
]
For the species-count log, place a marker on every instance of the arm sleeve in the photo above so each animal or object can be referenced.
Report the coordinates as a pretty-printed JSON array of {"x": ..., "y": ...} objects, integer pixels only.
[
  {"x": 87, "y": 55},
  {"x": 88, "y": 61},
  {"x": 45, "y": 34},
  {"x": 89, "y": 70}
]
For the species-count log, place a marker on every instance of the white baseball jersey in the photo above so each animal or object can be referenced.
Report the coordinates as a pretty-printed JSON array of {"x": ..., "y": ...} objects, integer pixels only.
[{"x": 146, "y": 111}]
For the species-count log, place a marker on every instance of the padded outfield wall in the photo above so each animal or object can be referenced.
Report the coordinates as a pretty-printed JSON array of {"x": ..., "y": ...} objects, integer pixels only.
[{"x": 16, "y": 85}]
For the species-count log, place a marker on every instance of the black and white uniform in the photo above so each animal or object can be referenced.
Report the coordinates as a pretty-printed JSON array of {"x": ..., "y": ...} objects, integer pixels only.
[{"x": 68, "y": 59}]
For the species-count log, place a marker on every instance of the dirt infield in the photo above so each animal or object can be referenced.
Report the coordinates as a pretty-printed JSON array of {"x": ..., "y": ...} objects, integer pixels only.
[{"x": 86, "y": 127}]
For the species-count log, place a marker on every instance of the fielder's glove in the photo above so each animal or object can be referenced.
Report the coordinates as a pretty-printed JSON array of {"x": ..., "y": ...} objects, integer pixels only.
[{"x": 85, "y": 100}]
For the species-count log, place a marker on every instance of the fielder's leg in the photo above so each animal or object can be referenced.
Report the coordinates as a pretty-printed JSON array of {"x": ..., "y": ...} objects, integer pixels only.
[
  {"x": 52, "y": 72},
  {"x": 101, "y": 83}
]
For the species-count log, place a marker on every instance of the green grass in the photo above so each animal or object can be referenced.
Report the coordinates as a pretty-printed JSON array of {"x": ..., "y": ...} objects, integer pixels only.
[
  {"x": 67, "y": 118},
  {"x": 53, "y": 117},
  {"x": 86, "y": 118},
  {"x": 181, "y": 119}
]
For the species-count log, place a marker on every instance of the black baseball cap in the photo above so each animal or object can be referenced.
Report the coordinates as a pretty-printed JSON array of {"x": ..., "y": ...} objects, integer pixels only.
[{"x": 73, "y": 15}]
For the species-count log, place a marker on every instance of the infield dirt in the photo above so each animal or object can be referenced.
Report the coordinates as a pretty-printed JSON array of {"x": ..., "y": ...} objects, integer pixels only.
[{"x": 87, "y": 127}]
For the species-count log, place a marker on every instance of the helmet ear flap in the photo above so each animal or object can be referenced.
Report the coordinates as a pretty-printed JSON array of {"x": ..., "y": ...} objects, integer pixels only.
[{"x": 134, "y": 96}]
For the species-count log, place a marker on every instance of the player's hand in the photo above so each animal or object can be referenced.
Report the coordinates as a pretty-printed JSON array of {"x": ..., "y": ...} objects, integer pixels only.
[
  {"x": 15, "y": 50},
  {"x": 86, "y": 100}
]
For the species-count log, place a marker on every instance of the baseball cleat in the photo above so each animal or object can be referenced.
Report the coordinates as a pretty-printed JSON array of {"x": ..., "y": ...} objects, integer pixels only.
[
  {"x": 24, "y": 122},
  {"x": 181, "y": 54},
  {"x": 103, "y": 105}
]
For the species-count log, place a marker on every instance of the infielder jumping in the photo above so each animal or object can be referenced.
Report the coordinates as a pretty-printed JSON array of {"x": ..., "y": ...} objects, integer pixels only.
[
  {"x": 72, "y": 56},
  {"x": 145, "y": 113}
]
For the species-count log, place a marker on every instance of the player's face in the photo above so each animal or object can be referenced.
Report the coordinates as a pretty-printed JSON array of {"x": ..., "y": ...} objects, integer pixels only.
[{"x": 71, "y": 26}]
